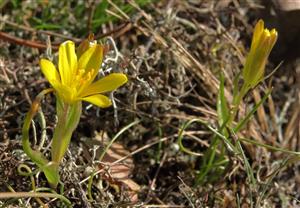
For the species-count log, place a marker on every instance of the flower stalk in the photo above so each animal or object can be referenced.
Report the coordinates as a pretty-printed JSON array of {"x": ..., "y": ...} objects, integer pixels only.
[
  {"x": 263, "y": 41},
  {"x": 68, "y": 119}
]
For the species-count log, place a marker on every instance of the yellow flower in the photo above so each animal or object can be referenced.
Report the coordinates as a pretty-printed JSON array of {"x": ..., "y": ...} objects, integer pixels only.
[
  {"x": 263, "y": 41},
  {"x": 73, "y": 81}
]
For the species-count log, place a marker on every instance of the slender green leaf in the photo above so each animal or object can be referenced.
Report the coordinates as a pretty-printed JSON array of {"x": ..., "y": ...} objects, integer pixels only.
[
  {"x": 222, "y": 107},
  {"x": 242, "y": 123}
]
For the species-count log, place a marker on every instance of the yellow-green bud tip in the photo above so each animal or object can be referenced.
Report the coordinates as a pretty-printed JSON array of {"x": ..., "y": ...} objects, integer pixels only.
[{"x": 263, "y": 41}]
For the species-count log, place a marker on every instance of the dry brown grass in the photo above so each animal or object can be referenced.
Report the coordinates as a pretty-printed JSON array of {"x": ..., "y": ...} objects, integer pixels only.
[{"x": 173, "y": 52}]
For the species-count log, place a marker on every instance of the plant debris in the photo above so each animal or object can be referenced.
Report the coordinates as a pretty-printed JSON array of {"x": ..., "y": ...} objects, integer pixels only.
[{"x": 173, "y": 53}]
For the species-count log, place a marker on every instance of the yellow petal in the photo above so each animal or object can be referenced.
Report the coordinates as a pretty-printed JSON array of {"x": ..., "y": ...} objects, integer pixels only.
[
  {"x": 66, "y": 93},
  {"x": 106, "y": 84},
  {"x": 91, "y": 59},
  {"x": 49, "y": 71},
  {"x": 98, "y": 100},
  {"x": 273, "y": 38},
  {"x": 67, "y": 62},
  {"x": 258, "y": 30}
]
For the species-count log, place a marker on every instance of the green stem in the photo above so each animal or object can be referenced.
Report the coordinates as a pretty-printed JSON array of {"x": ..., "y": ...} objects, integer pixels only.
[
  {"x": 34, "y": 155},
  {"x": 236, "y": 103},
  {"x": 68, "y": 119},
  {"x": 273, "y": 148},
  {"x": 61, "y": 135}
]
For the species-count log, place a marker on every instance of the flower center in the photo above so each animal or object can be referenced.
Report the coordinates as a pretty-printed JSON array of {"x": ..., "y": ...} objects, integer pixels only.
[{"x": 82, "y": 79}]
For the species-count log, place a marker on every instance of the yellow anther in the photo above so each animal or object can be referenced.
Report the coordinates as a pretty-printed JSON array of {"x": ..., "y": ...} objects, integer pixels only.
[
  {"x": 88, "y": 76},
  {"x": 80, "y": 72}
]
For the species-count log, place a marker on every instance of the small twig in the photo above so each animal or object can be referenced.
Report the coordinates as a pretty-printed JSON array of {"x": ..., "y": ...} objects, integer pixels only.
[
  {"x": 152, "y": 186},
  {"x": 184, "y": 192},
  {"x": 42, "y": 122},
  {"x": 114, "y": 104},
  {"x": 113, "y": 14},
  {"x": 91, "y": 10},
  {"x": 34, "y": 133},
  {"x": 12, "y": 190},
  {"x": 5, "y": 195},
  {"x": 39, "y": 31},
  {"x": 2, "y": 66},
  {"x": 20, "y": 41},
  {"x": 19, "y": 85},
  {"x": 162, "y": 206},
  {"x": 119, "y": 31},
  {"x": 137, "y": 7},
  {"x": 34, "y": 44},
  {"x": 119, "y": 10},
  {"x": 282, "y": 116}
]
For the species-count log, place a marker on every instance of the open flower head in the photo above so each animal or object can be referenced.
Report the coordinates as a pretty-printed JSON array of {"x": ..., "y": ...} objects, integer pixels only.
[
  {"x": 74, "y": 79},
  {"x": 263, "y": 41}
]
